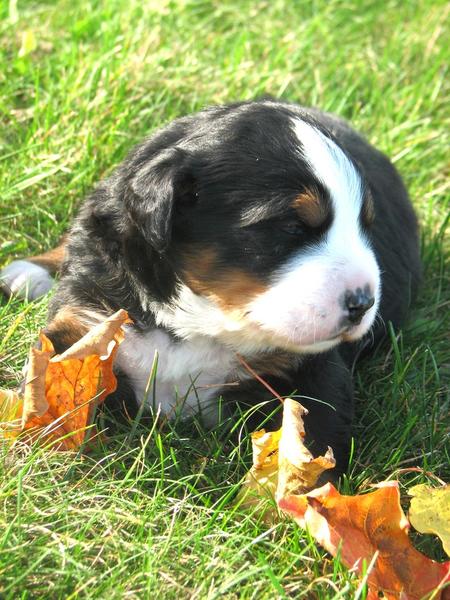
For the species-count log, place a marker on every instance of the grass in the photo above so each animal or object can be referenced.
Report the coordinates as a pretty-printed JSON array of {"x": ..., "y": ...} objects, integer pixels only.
[{"x": 80, "y": 83}]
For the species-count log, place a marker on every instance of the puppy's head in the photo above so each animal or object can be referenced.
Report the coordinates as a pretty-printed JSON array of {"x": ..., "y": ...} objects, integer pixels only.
[{"x": 261, "y": 219}]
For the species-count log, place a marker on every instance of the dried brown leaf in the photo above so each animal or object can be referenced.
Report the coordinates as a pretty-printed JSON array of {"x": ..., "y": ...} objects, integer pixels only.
[
  {"x": 100, "y": 340},
  {"x": 35, "y": 403}
]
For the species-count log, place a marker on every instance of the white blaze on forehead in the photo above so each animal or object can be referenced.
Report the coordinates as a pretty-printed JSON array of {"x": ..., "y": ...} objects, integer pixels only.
[
  {"x": 333, "y": 169},
  {"x": 337, "y": 173}
]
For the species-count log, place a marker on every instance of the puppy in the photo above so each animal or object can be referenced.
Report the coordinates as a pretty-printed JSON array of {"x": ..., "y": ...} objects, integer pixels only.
[{"x": 263, "y": 229}]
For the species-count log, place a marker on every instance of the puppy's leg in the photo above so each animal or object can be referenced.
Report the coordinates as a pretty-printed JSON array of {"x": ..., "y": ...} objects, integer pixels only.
[
  {"x": 32, "y": 278},
  {"x": 324, "y": 388}
]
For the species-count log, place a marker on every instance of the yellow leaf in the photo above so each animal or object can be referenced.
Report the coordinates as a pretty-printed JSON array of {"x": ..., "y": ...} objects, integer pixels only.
[
  {"x": 28, "y": 44},
  {"x": 282, "y": 464},
  {"x": 430, "y": 512},
  {"x": 298, "y": 469},
  {"x": 262, "y": 479}
]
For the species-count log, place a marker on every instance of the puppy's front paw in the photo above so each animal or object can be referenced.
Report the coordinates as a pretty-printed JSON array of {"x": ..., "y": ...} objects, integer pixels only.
[{"x": 25, "y": 279}]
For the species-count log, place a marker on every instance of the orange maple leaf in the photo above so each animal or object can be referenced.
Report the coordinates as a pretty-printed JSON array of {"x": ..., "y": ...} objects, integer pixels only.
[
  {"x": 371, "y": 526},
  {"x": 62, "y": 391}
]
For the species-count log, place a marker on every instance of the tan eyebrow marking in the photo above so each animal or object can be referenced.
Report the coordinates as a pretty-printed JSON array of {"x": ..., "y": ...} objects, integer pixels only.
[{"x": 311, "y": 208}]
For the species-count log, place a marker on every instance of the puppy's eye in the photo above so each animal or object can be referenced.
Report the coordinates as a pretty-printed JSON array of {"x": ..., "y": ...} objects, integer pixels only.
[{"x": 292, "y": 227}]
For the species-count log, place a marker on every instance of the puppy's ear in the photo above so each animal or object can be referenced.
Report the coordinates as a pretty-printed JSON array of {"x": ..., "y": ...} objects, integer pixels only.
[{"x": 151, "y": 195}]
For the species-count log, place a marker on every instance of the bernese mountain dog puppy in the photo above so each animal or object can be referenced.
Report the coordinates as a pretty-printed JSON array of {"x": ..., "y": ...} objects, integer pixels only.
[{"x": 261, "y": 229}]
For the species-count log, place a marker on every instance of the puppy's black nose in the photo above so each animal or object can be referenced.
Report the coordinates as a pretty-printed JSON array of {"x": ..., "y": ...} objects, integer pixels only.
[{"x": 357, "y": 303}]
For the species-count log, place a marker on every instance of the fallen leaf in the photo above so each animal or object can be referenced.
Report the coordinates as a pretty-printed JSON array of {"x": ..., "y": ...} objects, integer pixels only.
[
  {"x": 28, "y": 43},
  {"x": 298, "y": 469},
  {"x": 281, "y": 462},
  {"x": 429, "y": 512},
  {"x": 35, "y": 402},
  {"x": 357, "y": 527},
  {"x": 61, "y": 391},
  {"x": 262, "y": 479},
  {"x": 100, "y": 340}
]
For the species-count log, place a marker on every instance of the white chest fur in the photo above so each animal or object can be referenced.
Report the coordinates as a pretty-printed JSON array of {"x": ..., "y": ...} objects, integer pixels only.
[{"x": 189, "y": 373}]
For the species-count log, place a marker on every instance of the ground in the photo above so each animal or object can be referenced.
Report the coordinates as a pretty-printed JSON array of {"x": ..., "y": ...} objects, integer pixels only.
[{"x": 151, "y": 511}]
